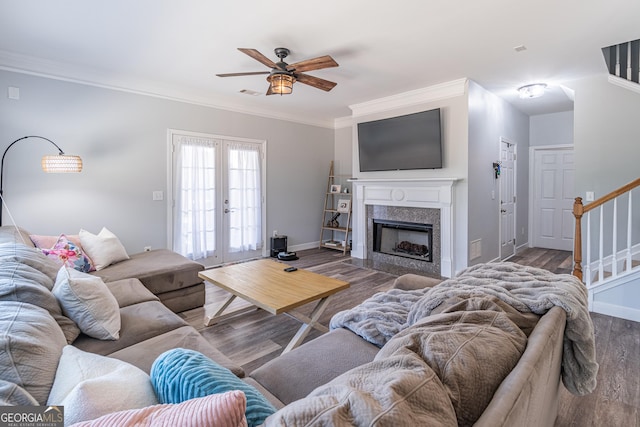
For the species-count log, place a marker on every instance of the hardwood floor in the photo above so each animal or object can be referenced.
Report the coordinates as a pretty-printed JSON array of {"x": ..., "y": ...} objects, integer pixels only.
[{"x": 254, "y": 338}]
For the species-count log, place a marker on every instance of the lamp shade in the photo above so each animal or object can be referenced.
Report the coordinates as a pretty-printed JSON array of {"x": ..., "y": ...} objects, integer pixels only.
[
  {"x": 61, "y": 163},
  {"x": 281, "y": 83}
]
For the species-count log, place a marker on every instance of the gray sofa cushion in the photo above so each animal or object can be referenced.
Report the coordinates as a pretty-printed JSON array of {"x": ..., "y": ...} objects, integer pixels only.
[
  {"x": 295, "y": 374},
  {"x": 266, "y": 393},
  {"x": 139, "y": 322},
  {"x": 145, "y": 353},
  {"x": 30, "y": 256},
  {"x": 409, "y": 282},
  {"x": 21, "y": 282},
  {"x": 9, "y": 233},
  {"x": 533, "y": 387},
  {"x": 31, "y": 343},
  {"x": 160, "y": 270},
  {"x": 184, "y": 299},
  {"x": 130, "y": 291},
  {"x": 13, "y": 395}
]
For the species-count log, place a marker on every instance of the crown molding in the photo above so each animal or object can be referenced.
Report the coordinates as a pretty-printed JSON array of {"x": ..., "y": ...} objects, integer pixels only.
[
  {"x": 437, "y": 92},
  {"x": 55, "y": 71},
  {"x": 343, "y": 122}
]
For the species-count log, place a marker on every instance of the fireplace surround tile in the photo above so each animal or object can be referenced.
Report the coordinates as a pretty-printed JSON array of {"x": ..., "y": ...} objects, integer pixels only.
[{"x": 406, "y": 214}]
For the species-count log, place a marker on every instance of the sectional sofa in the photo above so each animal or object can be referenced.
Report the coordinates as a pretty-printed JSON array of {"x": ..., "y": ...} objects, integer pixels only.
[
  {"x": 507, "y": 371},
  {"x": 35, "y": 331},
  {"x": 491, "y": 346}
]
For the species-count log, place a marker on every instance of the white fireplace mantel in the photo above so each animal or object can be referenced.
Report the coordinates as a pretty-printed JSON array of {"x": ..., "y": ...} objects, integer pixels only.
[{"x": 435, "y": 193}]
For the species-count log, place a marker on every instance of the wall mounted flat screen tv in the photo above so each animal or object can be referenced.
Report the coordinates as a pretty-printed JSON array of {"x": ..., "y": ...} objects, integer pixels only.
[{"x": 406, "y": 142}]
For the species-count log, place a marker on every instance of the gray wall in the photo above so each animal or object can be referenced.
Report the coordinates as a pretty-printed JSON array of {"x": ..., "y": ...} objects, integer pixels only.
[
  {"x": 122, "y": 138},
  {"x": 343, "y": 151},
  {"x": 491, "y": 118},
  {"x": 607, "y": 152},
  {"x": 607, "y": 135},
  {"x": 551, "y": 129}
]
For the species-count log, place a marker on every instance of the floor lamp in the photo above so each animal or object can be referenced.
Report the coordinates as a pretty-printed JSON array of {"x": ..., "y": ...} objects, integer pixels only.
[{"x": 59, "y": 163}]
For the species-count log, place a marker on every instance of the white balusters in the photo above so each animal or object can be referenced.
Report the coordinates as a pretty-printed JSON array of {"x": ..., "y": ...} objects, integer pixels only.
[
  {"x": 601, "y": 246},
  {"x": 588, "y": 263},
  {"x": 629, "y": 240},
  {"x": 614, "y": 245},
  {"x": 628, "y": 73}
]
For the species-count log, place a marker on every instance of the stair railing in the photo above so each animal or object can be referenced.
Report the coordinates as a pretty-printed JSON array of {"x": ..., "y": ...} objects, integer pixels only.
[{"x": 579, "y": 210}]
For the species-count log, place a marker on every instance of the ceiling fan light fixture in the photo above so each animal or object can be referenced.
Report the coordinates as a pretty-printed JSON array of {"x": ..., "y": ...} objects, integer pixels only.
[
  {"x": 533, "y": 90},
  {"x": 281, "y": 83}
]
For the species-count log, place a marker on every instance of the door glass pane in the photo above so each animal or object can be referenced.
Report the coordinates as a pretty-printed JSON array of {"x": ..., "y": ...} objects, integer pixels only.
[
  {"x": 245, "y": 198},
  {"x": 195, "y": 197}
]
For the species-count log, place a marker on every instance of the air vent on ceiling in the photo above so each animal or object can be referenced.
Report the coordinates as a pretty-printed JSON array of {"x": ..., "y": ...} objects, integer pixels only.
[{"x": 250, "y": 92}]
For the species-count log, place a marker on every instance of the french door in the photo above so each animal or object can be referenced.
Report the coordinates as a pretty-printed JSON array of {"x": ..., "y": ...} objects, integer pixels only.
[{"x": 217, "y": 209}]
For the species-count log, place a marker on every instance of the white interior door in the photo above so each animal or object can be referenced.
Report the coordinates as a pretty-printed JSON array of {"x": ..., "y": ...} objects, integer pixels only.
[
  {"x": 507, "y": 199},
  {"x": 217, "y": 212},
  {"x": 553, "y": 177}
]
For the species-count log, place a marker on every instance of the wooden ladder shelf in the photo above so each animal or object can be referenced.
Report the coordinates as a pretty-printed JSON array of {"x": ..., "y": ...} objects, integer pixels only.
[{"x": 335, "y": 230}]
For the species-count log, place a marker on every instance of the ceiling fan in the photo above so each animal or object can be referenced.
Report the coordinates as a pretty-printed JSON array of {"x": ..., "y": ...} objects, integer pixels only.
[{"x": 283, "y": 75}]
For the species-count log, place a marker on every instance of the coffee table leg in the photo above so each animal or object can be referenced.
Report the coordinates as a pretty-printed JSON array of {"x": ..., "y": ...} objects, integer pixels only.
[
  {"x": 307, "y": 326},
  {"x": 218, "y": 316}
]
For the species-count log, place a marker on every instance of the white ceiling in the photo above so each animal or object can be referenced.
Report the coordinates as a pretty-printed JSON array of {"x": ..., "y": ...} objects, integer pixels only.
[{"x": 174, "y": 48}]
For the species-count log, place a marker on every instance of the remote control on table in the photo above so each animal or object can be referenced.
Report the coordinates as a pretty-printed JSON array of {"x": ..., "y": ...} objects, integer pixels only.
[{"x": 290, "y": 269}]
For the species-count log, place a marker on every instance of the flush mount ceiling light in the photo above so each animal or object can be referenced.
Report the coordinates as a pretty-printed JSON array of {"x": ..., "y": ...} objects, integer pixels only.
[{"x": 532, "y": 91}]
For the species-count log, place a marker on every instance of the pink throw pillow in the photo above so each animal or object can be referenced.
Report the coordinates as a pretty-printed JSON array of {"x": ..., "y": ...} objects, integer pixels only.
[
  {"x": 65, "y": 252},
  {"x": 47, "y": 242},
  {"x": 220, "y": 410}
]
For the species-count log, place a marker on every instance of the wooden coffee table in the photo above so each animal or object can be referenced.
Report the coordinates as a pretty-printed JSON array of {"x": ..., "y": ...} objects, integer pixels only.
[{"x": 266, "y": 285}]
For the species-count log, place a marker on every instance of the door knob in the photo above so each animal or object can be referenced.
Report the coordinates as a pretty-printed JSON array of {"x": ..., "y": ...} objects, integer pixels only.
[{"x": 503, "y": 210}]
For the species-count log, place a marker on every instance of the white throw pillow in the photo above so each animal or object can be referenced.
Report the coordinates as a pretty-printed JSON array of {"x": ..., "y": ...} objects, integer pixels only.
[
  {"x": 104, "y": 249},
  {"x": 89, "y": 386},
  {"x": 86, "y": 300}
]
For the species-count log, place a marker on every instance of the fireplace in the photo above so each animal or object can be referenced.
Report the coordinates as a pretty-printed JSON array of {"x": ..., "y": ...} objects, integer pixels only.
[
  {"x": 416, "y": 200},
  {"x": 404, "y": 239}
]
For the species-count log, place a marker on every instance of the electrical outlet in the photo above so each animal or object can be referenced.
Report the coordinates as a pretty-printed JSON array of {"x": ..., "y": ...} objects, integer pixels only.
[{"x": 147, "y": 248}]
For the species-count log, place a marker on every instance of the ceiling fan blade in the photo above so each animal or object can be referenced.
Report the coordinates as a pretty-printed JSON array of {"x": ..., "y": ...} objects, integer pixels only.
[
  {"x": 313, "y": 64},
  {"x": 258, "y": 57},
  {"x": 251, "y": 73},
  {"x": 316, "y": 82}
]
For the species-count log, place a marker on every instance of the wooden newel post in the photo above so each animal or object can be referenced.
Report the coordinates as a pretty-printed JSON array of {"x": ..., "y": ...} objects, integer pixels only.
[{"x": 578, "y": 211}]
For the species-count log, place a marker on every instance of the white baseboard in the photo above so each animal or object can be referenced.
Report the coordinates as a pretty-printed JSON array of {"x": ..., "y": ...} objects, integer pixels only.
[
  {"x": 616, "y": 311},
  {"x": 303, "y": 246}
]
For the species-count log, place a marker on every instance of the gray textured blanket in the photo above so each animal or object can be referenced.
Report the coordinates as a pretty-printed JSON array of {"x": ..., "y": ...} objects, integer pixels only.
[
  {"x": 442, "y": 371},
  {"x": 526, "y": 289}
]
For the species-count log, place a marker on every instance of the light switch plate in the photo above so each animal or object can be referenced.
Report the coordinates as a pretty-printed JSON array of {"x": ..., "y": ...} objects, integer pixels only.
[
  {"x": 13, "y": 92},
  {"x": 158, "y": 195},
  {"x": 590, "y": 196}
]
